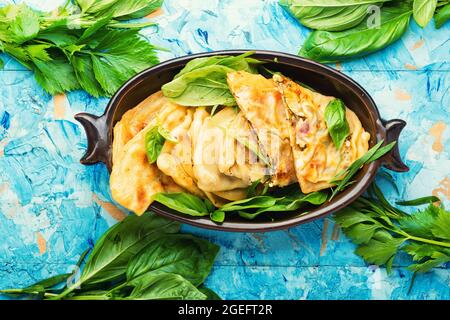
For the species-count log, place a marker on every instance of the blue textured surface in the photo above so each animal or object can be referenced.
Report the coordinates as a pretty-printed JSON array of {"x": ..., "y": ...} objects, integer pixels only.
[{"x": 52, "y": 208}]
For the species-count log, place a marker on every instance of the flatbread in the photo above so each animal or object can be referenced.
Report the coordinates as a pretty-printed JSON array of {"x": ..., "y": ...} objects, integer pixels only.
[
  {"x": 317, "y": 161},
  {"x": 134, "y": 181},
  {"x": 261, "y": 103}
]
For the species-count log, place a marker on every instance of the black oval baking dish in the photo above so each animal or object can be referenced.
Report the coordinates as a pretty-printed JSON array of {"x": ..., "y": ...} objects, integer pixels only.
[{"x": 322, "y": 78}]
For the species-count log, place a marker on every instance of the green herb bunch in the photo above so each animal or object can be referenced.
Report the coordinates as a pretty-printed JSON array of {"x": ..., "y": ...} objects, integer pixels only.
[
  {"x": 84, "y": 45},
  {"x": 140, "y": 258},
  {"x": 350, "y": 28},
  {"x": 382, "y": 231}
]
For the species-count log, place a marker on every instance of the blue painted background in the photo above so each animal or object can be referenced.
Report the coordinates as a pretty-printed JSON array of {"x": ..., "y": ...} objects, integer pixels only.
[{"x": 52, "y": 208}]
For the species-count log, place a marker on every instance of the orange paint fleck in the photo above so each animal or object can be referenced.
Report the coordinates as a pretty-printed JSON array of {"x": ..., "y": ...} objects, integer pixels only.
[
  {"x": 402, "y": 95},
  {"x": 336, "y": 232},
  {"x": 113, "y": 210},
  {"x": 3, "y": 144},
  {"x": 338, "y": 66},
  {"x": 42, "y": 244},
  {"x": 443, "y": 189},
  {"x": 437, "y": 131},
  {"x": 323, "y": 246},
  {"x": 418, "y": 44},
  {"x": 59, "y": 104},
  {"x": 259, "y": 238},
  {"x": 3, "y": 187},
  {"x": 155, "y": 13},
  {"x": 410, "y": 66}
]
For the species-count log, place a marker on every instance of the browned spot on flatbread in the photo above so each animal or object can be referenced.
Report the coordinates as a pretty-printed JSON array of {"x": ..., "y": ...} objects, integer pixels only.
[
  {"x": 410, "y": 66},
  {"x": 41, "y": 243},
  {"x": 418, "y": 44},
  {"x": 336, "y": 232},
  {"x": 443, "y": 189},
  {"x": 155, "y": 13},
  {"x": 402, "y": 95},
  {"x": 323, "y": 246},
  {"x": 437, "y": 131},
  {"x": 59, "y": 105},
  {"x": 113, "y": 211}
]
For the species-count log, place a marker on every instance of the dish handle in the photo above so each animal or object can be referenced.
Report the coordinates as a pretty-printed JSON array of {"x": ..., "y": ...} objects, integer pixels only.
[
  {"x": 97, "y": 138},
  {"x": 393, "y": 160}
]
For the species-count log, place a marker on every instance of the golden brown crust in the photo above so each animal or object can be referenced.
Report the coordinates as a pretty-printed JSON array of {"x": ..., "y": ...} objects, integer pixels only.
[{"x": 261, "y": 103}]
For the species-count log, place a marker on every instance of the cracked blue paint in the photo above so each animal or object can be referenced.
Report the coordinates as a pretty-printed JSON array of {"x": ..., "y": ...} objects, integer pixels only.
[{"x": 45, "y": 190}]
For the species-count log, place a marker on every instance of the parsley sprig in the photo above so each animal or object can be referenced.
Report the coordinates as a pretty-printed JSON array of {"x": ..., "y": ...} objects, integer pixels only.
[
  {"x": 381, "y": 231},
  {"x": 83, "y": 45}
]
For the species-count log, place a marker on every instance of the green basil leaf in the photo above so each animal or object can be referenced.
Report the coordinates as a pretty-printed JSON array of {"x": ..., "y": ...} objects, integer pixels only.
[
  {"x": 290, "y": 203},
  {"x": 166, "y": 135},
  {"x": 325, "y": 46},
  {"x": 373, "y": 154},
  {"x": 206, "y": 86},
  {"x": 210, "y": 294},
  {"x": 185, "y": 203},
  {"x": 90, "y": 295},
  {"x": 418, "y": 201},
  {"x": 423, "y": 11},
  {"x": 442, "y": 15},
  {"x": 318, "y": 17},
  {"x": 203, "y": 81},
  {"x": 2, "y": 64},
  {"x": 40, "y": 287},
  {"x": 218, "y": 216},
  {"x": 337, "y": 3},
  {"x": 185, "y": 255},
  {"x": 252, "y": 203},
  {"x": 154, "y": 142},
  {"x": 111, "y": 254},
  {"x": 165, "y": 286},
  {"x": 336, "y": 121},
  {"x": 241, "y": 63},
  {"x": 257, "y": 188}
]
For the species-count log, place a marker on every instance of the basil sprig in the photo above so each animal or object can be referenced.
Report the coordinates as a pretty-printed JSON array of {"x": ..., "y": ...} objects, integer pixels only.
[
  {"x": 347, "y": 29},
  {"x": 139, "y": 258},
  {"x": 248, "y": 208},
  {"x": 203, "y": 81},
  {"x": 343, "y": 178},
  {"x": 336, "y": 121},
  {"x": 154, "y": 142}
]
